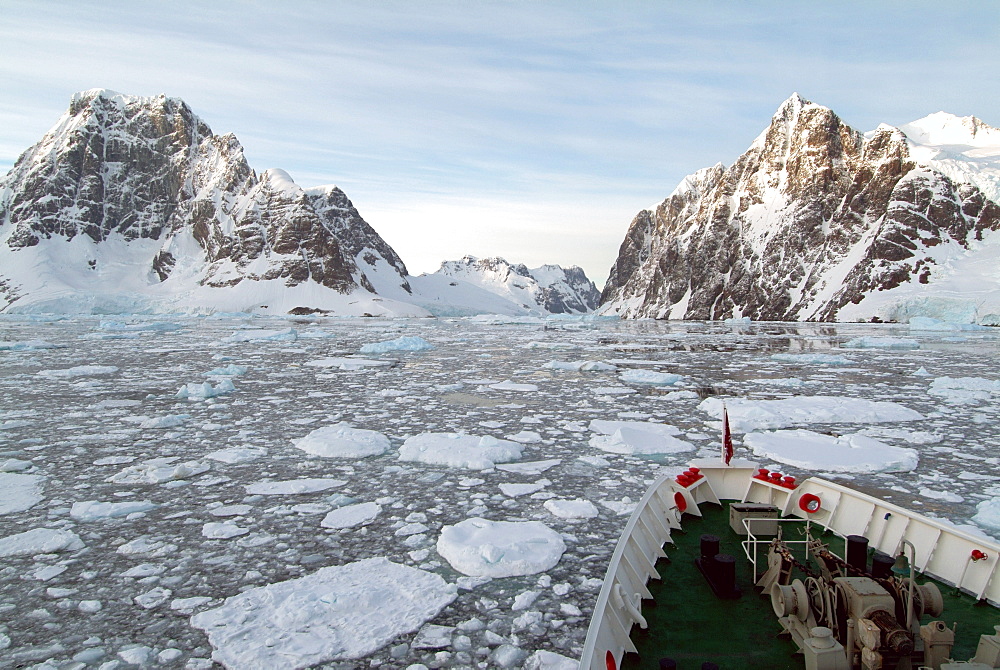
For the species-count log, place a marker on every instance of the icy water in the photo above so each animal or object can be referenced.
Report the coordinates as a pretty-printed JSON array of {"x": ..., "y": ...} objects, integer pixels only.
[{"x": 87, "y": 406}]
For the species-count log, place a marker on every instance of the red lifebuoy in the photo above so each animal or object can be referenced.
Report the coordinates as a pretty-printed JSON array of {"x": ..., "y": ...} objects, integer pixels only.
[
  {"x": 680, "y": 501},
  {"x": 609, "y": 660},
  {"x": 810, "y": 503}
]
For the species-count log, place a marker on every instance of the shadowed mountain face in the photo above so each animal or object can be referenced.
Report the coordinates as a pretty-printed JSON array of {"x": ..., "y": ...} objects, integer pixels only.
[{"x": 812, "y": 218}]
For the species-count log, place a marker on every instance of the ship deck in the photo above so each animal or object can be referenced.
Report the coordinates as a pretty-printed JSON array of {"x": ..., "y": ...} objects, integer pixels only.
[{"x": 690, "y": 625}]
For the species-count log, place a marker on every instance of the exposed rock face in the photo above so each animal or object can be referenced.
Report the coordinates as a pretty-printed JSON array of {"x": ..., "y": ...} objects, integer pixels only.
[
  {"x": 550, "y": 287},
  {"x": 146, "y": 172},
  {"x": 812, "y": 218}
]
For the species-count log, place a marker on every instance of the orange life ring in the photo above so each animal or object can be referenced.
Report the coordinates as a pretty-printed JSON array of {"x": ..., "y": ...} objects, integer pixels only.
[{"x": 810, "y": 503}]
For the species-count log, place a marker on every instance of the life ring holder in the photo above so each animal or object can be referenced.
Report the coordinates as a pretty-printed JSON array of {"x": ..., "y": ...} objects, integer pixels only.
[{"x": 810, "y": 503}]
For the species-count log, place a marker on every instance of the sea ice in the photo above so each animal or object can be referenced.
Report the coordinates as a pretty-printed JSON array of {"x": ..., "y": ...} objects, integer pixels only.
[
  {"x": 549, "y": 660},
  {"x": 92, "y": 510},
  {"x": 294, "y": 486},
  {"x": 233, "y": 455},
  {"x": 988, "y": 515},
  {"x": 875, "y": 342},
  {"x": 964, "y": 390},
  {"x": 80, "y": 371},
  {"x": 337, "y": 613},
  {"x": 343, "y": 441},
  {"x": 514, "y": 386},
  {"x": 530, "y": 467},
  {"x": 19, "y": 492},
  {"x": 746, "y": 415},
  {"x": 169, "y": 421},
  {"x": 458, "y": 450},
  {"x": 204, "y": 390},
  {"x": 284, "y": 335},
  {"x": 571, "y": 509},
  {"x": 812, "y": 359},
  {"x": 157, "y": 471},
  {"x": 404, "y": 343},
  {"x": 635, "y": 376},
  {"x": 222, "y": 530},
  {"x": 637, "y": 437},
  {"x": 581, "y": 366},
  {"x": 482, "y": 548},
  {"x": 341, "y": 363},
  {"x": 39, "y": 541},
  {"x": 350, "y": 516},
  {"x": 512, "y": 490},
  {"x": 808, "y": 450}
]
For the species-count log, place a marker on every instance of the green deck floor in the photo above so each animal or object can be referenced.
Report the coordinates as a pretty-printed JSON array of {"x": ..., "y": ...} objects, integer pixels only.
[{"x": 690, "y": 625}]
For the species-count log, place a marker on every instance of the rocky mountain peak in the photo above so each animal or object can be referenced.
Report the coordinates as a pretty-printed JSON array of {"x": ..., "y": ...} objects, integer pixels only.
[{"x": 811, "y": 219}]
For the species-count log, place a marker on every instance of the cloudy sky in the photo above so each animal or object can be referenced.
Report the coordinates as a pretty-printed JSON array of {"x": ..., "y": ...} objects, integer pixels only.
[{"x": 529, "y": 130}]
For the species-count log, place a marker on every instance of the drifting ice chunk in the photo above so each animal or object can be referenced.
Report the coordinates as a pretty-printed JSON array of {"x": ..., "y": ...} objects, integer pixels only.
[
  {"x": 341, "y": 363},
  {"x": 988, "y": 515},
  {"x": 342, "y": 441},
  {"x": 231, "y": 370},
  {"x": 581, "y": 366},
  {"x": 481, "y": 548},
  {"x": 531, "y": 468},
  {"x": 571, "y": 509},
  {"x": 337, "y": 613},
  {"x": 458, "y": 450},
  {"x": 549, "y": 660},
  {"x": 513, "y": 386},
  {"x": 80, "y": 371},
  {"x": 350, "y": 516},
  {"x": 195, "y": 391},
  {"x": 636, "y": 376},
  {"x": 157, "y": 471},
  {"x": 637, "y": 437},
  {"x": 222, "y": 530},
  {"x": 894, "y": 343},
  {"x": 747, "y": 415},
  {"x": 812, "y": 359},
  {"x": 815, "y": 451},
  {"x": 19, "y": 492},
  {"x": 293, "y": 486},
  {"x": 286, "y": 335},
  {"x": 405, "y": 343},
  {"x": 39, "y": 541},
  {"x": 964, "y": 390},
  {"x": 237, "y": 454},
  {"x": 169, "y": 421},
  {"x": 92, "y": 510}
]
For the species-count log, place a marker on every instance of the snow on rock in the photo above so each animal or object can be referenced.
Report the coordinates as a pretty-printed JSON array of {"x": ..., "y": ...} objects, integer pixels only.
[
  {"x": 874, "y": 342},
  {"x": 571, "y": 509},
  {"x": 92, "y": 510},
  {"x": 19, "y": 492},
  {"x": 746, "y": 415},
  {"x": 636, "y": 376},
  {"x": 458, "y": 450},
  {"x": 853, "y": 453},
  {"x": 204, "y": 390},
  {"x": 158, "y": 471},
  {"x": 337, "y": 613},
  {"x": 350, "y": 516},
  {"x": 294, "y": 486},
  {"x": 637, "y": 437},
  {"x": 343, "y": 441},
  {"x": 481, "y": 548},
  {"x": 405, "y": 343},
  {"x": 39, "y": 541}
]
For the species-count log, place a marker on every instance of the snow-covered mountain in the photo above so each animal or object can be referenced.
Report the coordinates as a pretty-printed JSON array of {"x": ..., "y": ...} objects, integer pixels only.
[
  {"x": 132, "y": 204},
  {"x": 819, "y": 222}
]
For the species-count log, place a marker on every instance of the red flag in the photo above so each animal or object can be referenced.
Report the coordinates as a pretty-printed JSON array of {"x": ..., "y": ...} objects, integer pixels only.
[{"x": 727, "y": 437}]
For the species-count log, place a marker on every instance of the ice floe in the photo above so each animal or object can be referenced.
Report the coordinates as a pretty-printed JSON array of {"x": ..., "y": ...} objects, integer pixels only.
[
  {"x": 19, "y": 492},
  {"x": 875, "y": 342},
  {"x": 482, "y": 548},
  {"x": 404, "y": 343},
  {"x": 294, "y": 486},
  {"x": 80, "y": 371},
  {"x": 636, "y": 376},
  {"x": 817, "y": 452},
  {"x": 637, "y": 437},
  {"x": 204, "y": 390},
  {"x": 458, "y": 450},
  {"x": 343, "y": 441},
  {"x": 336, "y": 613},
  {"x": 93, "y": 510},
  {"x": 158, "y": 471},
  {"x": 571, "y": 509},
  {"x": 40, "y": 541},
  {"x": 350, "y": 516},
  {"x": 964, "y": 390},
  {"x": 347, "y": 363},
  {"x": 747, "y": 415}
]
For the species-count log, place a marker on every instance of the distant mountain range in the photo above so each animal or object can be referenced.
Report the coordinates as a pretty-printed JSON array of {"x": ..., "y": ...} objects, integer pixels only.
[
  {"x": 817, "y": 221},
  {"x": 132, "y": 205}
]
